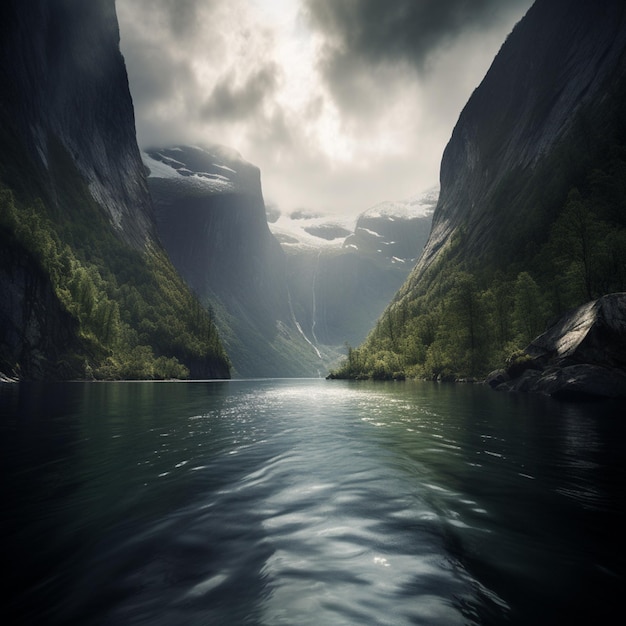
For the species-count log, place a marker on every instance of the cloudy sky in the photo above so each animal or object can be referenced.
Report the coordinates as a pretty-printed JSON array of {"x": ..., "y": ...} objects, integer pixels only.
[{"x": 341, "y": 103}]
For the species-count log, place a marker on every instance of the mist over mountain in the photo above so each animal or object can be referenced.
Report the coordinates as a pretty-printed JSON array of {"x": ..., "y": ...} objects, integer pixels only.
[
  {"x": 289, "y": 292},
  {"x": 531, "y": 217},
  {"x": 88, "y": 289},
  {"x": 339, "y": 286},
  {"x": 212, "y": 221}
]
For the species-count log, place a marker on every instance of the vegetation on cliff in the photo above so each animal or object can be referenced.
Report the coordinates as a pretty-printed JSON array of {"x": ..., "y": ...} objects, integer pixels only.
[
  {"x": 531, "y": 218},
  {"x": 135, "y": 318},
  {"x": 464, "y": 319}
]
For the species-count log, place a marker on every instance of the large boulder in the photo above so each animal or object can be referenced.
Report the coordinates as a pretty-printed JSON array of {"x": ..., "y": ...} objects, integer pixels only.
[{"x": 581, "y": 356}]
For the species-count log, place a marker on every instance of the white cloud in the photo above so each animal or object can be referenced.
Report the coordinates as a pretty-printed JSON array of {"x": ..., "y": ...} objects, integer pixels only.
[{"x": 333, "y": 128}]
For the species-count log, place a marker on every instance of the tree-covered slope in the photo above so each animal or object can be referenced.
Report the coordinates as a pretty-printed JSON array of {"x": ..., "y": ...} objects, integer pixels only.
[
  {"x": 86, "y": 288},
  {"x": 531, "y": 218}
]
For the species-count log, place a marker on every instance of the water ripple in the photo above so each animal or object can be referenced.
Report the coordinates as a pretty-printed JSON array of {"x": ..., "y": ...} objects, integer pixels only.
[{"x": 307, "y": 502}]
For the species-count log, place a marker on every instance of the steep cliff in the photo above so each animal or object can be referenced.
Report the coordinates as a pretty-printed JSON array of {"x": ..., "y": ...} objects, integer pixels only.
[
  {"x": 88, "y": 289},
  {"x": 531, "y": 217},
  {"x": 64, "y": 80},
  {"x": 550, "y": 103},
  {"x": 211, "y": 218},
  {"x": 39, "y": 336}
]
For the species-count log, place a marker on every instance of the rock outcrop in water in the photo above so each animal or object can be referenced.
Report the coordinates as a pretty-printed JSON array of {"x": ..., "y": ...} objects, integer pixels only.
[{"x": 582, "y": 355}]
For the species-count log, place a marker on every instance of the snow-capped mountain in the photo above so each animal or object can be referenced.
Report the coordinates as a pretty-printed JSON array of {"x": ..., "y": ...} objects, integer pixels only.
[
  {"x": 421, "y": 205},
  {"x": 211, "y": 219},
  {"x": 323, "y": 279},
  {"x": 214, "y": 169},
  {"x": 343, "y": 272},
  {"x": 396, "y": 229}
]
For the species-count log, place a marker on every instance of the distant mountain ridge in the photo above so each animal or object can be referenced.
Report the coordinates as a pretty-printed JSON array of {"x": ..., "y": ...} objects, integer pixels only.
[
  {"x": 212, "y": 221},
  {"x": 284, "y": 309},
  {"x": 397, "y": 230},
  {"x": 340, "y": 287}
]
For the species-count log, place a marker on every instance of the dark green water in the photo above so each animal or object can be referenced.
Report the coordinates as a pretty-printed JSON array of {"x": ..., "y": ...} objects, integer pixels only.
[{"x": 308, "y": 502}]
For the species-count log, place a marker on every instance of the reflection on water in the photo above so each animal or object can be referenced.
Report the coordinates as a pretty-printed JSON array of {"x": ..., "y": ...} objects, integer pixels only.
[{"x": 308, "y": 502}]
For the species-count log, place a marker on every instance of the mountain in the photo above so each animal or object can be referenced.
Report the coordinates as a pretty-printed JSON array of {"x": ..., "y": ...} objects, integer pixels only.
[
  {"x": 211, "y": 218},
  {"x": 533, "y": 129},
  {"x": 88, "y": 290},
  {"x": 341, "y": 275},
  {"x": 396, "y": 230},
  {"x": 531, "y": 217},
  {"x": 287, "y": 291},
  {"x": 65, "y": 88}
]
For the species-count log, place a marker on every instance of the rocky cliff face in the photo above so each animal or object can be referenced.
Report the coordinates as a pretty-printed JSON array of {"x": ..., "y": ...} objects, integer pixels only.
[
  {"x": 64, "y": 82},
  {"x": 80, "y": 252},
  {"x": 211, "y": 219},
  {"x": 554, "y": 79},
  {"x": 39, "y": 338}
]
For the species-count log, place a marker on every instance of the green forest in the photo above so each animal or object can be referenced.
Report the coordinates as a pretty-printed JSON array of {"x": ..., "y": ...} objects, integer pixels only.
[
  {"x": 135, "y": 318},
  {"x": 464, "y": 319}
]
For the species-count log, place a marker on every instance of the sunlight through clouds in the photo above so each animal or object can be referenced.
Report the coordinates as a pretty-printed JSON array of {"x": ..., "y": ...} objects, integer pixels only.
[{"x": 334, "y": 101}]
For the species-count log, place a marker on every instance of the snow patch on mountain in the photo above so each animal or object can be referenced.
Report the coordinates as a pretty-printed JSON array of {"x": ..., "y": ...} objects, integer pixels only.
[
  {"x": 162, "y": 166},
  {"x": 300, "y": 232},
  {"x": 369, "y": 231},
  {"x": 308, "y": 229},
  {"x": 420, "y": 205}
]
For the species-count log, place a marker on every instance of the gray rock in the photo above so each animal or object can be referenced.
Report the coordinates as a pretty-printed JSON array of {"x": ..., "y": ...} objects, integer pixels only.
[
  {"x": 496, "y": 378},
  {"x": 581, "y": 356},
  {"x": 593, "y": 333}
]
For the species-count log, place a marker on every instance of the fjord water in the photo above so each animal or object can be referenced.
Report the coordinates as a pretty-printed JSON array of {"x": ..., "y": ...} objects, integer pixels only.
[{"x": 308, "y": 502}]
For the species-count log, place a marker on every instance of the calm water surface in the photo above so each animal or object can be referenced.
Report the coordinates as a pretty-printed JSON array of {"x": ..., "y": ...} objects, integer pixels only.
[{"x": 308, "y": 502}]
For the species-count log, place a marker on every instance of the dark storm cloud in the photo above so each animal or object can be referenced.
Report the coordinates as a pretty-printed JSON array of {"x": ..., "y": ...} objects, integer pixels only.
[
  {"x": 232, "y": 102},
  {"x": 364, "y": 38},
  {"x": 400, "y": 30},
  {"x": 154, "y": 81},
  {"x": 149, "y": 32},
  {"x": 341, "y": 103},
  {"x": 179, "y": 17},
  {"x": 183, "y": 15}
]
